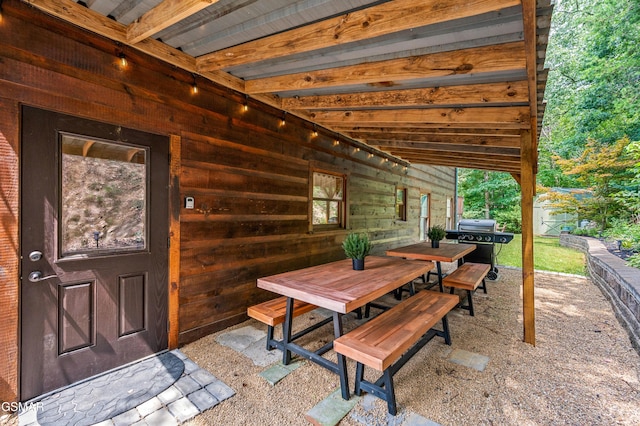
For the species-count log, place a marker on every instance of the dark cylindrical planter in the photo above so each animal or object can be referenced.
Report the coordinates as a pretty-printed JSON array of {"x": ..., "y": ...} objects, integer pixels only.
[
  {"x": 435, "y": 243},
  {"x": 358, "y": 264}
]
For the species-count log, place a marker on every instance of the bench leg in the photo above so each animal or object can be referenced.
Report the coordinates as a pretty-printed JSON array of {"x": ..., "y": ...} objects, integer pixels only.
[
  {"x": 484, "y": 286},
  {"x": 439, "y": 268},
  {"x": 359, "y": 376},
  {"x": 390, "y": 392},
  {"x": 270, "y": 337},
  {"x": 445, "y": 330},
  {"x": 469, "y": 292}
]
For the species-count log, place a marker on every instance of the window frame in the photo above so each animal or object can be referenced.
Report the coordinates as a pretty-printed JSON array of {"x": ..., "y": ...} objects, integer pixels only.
[
  {"x": 342, "y": 209},
  {"x": 400, "y": 215}
]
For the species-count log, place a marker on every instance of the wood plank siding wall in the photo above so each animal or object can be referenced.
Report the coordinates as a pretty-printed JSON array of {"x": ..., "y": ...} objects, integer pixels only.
[{"x": 249, "y": 175}]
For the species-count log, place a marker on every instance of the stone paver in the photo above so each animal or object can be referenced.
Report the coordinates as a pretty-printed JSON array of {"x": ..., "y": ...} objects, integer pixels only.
[
  {"x": 469, "y": 359},
  {"x": 203, "y": 399},
  {"x": 278, "y": 372},
  {"x": 331, "y": 410},
  {"x": 133, "y": 400},
  {"x": 183, "y": 409}
]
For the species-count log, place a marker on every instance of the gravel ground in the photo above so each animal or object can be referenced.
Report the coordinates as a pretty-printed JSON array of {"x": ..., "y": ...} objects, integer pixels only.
[{"x": 582, "y": 371}]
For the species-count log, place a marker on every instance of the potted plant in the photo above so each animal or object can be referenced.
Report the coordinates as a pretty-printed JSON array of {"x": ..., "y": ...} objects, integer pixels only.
[
  {"x": 435, "y": 234},
  {"x": 357, "y": 247}
]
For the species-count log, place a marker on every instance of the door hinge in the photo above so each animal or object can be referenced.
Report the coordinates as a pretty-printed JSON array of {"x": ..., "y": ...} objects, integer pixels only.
[{"x": 168, "y": 242}]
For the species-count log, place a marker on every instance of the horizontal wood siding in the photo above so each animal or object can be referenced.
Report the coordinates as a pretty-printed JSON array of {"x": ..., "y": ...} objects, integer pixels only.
[{"x": 249, "y": 174}]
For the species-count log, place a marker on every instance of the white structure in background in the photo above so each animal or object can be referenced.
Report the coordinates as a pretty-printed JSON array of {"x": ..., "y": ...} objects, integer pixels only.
[{"x": 546, "y": 221}]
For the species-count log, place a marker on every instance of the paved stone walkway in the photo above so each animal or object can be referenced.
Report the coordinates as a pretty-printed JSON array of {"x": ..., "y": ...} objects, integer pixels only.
[{"x": 167, "y": 389}]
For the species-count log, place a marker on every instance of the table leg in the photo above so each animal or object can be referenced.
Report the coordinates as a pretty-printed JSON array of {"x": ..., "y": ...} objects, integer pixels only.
[
  {"x": 286, "y": 332},
  {"x": 342, "y": 362},
  {"x": 439, "y": 267}
]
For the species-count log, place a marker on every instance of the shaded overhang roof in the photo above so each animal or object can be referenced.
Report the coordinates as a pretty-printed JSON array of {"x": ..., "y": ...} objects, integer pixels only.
[{"x": 451, "y": 83}]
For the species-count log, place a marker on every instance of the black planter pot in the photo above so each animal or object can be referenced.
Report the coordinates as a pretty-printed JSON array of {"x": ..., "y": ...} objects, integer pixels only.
[
  {"x": 435, "y": 243},
  {"x": 358, "y": 264}
]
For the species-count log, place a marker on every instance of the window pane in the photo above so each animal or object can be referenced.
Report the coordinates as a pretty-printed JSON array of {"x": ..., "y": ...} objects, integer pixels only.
[
  {"x": 103, "y": 196},
  {"x": 327, "y": 186},
  {"x": 326, "y": 212}
]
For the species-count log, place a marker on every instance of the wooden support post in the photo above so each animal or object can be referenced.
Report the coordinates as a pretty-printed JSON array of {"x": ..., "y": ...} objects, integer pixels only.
[
  {"x": 527, "y": 188},
  {"x": 174, "y": 240}
]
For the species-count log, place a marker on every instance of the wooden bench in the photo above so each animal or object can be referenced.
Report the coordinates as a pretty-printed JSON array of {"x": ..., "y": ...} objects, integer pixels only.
[
  {"x": 272, "y": 313},
  {"x": 389, "y": 340},
  {"x": 468, "y": 276}
]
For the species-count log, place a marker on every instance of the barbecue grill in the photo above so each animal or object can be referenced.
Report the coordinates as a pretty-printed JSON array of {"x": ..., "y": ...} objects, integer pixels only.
[{"x": 483, "y": 233}]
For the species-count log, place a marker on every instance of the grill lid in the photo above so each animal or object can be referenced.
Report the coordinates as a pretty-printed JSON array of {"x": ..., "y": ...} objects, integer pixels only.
[{"x": 477, "y": 225}]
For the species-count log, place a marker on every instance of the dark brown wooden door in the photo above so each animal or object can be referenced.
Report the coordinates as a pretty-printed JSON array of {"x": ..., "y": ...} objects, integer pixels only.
[{"x": 94, "y": 228}]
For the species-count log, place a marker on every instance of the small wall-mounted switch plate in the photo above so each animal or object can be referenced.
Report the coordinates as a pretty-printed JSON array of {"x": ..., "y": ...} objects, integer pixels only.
[{"x": 189, "y": 203}]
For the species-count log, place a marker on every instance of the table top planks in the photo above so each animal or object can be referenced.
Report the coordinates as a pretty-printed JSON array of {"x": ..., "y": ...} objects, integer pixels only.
[
  {"x": 337, "y": 287},
  {"x": 448, "y": 252}
]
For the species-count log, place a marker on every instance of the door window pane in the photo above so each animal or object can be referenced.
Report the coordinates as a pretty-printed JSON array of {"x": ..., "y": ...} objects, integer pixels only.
[{"x": 103, "y": 196}]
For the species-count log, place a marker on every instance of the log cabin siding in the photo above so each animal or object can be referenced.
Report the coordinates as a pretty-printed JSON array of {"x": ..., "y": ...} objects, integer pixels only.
[{"x": 248, "y": 174}]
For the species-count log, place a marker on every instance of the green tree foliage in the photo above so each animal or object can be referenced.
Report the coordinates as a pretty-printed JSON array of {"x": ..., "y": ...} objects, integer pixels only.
[
  {"x": 629, "y": 195},
  {"x": 592, "y": 90},
  {"x": 605, "y": 171},
  {"x": 593, "y": 108},
  {"x": 491, "y": 195}
]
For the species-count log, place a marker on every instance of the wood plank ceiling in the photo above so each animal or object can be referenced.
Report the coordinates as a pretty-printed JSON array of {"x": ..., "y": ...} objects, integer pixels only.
[{"x": 439, "y": 82}]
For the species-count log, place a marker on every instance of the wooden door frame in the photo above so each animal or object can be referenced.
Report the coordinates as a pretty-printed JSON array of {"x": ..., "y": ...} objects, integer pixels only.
[{"x": 175, "y": 205}]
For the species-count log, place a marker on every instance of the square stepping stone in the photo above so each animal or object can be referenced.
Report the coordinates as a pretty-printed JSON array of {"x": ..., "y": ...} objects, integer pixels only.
[
  {"x": 331, "y": 410},
  {"x": 241, "y": 338},
  {"x": 469, "y": 359},
  {"x": 278, "y": 372}
]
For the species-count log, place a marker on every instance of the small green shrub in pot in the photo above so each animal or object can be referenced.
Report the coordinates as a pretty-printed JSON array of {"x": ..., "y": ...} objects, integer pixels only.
[
  {"x": 357, "y": 247},
  {"x": 435, "y": 234}
]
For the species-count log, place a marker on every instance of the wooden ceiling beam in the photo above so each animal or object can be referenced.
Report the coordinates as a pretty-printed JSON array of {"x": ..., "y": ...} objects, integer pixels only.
[
  {"x": 483, "y": 94},
  {"x": 426, "y": 130},
  {"x": 485, "y": 59},
  {"x": 470, "y": 158},
  {"x": 386, "y": 18},
  {"x": 163, "y": 16},
  {"x": 461, "y": 163},
  {"x": 445, "y": 148},
  {"x": 384, "y": 139},
  {"x": 491, "y": 117}
]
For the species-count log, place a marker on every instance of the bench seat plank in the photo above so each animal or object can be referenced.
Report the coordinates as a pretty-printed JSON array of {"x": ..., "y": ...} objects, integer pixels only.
[
  {"x": 272, "y": 312},
  {"x": 381, "y": 341},
  {"x": 467, "y": 276}
]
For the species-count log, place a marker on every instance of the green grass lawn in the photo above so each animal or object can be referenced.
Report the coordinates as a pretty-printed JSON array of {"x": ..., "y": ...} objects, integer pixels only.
[{"x": 548, "y": 255}]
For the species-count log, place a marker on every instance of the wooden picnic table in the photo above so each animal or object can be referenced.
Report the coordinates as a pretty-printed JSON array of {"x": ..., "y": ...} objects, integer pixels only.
[
  {"x": 337, "y": 287},
  {"x": 447, "y": 252}
]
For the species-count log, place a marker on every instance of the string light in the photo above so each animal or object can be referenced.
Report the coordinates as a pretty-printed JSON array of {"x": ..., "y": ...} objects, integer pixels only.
[
  {"x": 123, "y": 60},
  {"x": 283, "y": 121},
  {"x": 194, "y": 86},
  {"x": 315, "y": 131},
  {"x": 245, "y": 105},
  {"x": 336, "y": 142}
]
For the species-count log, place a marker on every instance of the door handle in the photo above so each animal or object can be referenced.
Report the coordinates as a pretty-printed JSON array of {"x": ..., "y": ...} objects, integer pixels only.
[{"x": 36, "y": 276}]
